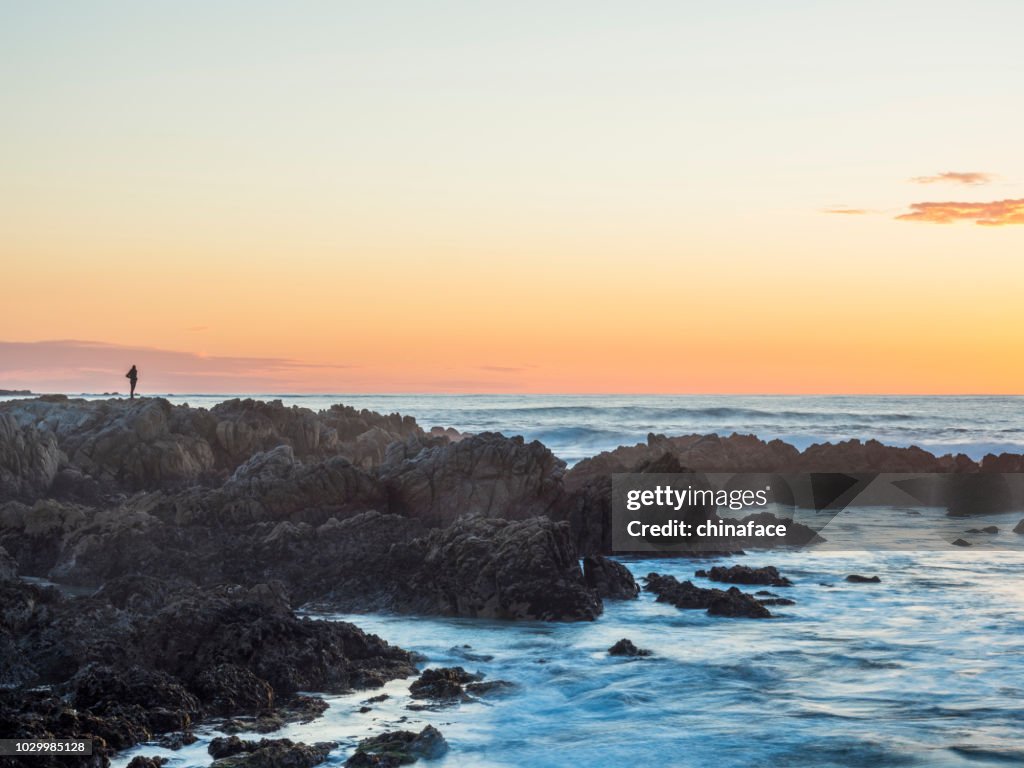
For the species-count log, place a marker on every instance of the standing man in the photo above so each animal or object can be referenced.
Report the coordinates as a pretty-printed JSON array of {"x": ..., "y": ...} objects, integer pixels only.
[{"x": 133, "y": 377}]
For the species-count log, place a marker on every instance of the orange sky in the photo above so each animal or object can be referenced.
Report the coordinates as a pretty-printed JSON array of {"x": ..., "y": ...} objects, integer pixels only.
[{"x": 619, "y": 205}]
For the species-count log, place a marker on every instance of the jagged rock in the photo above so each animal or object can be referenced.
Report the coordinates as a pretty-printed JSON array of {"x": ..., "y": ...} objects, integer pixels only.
[
  {"x": 486, "y": 474},
  {"x": 855, "y": 578},
  {"x": 744, "y": 574},
  {"x": 625, "y": 647},
  {"x": 231, "y": 689},
  {"x": 29, "y": 460},
  {"x": 233, "y": 752},
  {"x": 1019, "y": 527},
  {"x": 147, "y": 761},
  {"x": 609, "y": 579},
  {"x": 686, "y": 595},
  {"x": 8, "y": 566},
  {"x": 501, "y": 569},
  {"x": 442, "y": 684},
  {"x": 396, "y": 748}
]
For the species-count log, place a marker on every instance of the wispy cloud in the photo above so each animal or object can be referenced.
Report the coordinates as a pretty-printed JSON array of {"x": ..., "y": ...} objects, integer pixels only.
[
  {"x": 967, "y": 178},
  {"x": 844, "y": 211},
  {"x": 90, "y": 366},
  {"x": 995, "y": 214}
]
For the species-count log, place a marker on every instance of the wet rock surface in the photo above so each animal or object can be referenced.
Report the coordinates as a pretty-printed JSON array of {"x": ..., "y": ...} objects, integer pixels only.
[
  {"x": 716, "y": 602},
  {"x": 611, "y": 580},
  {"x": 396, "y": 748},
  {"x": 744, "y": 574},
  {"x": 625, "y": 647}
]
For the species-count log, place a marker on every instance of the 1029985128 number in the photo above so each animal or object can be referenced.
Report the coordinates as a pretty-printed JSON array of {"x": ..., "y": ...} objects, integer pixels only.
[{"x": 10, "y": 747}]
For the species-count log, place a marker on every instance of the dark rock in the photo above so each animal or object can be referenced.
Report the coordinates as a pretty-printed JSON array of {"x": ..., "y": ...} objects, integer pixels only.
[
  {"x": 743, "y": 574},
  {"x": 176, "y": 741},
  {"x": 625, "y": 647},
  {"x": 501, "y": 569},
  {"x": 776, "y": 601},
  {"x": 960, "y": 543},
  {"x": 397, "y": 748},
  {"x": 609, "y": 579},
  {"x": 686, "y": 595},
  {"x": 855, "y": 578},
  {"x": 147, "y": 762},
  {"x": 737, "y": 604},
  {"x": 486, "y": 474},
  {"x": 230, "y": 689},
  {"x": 267, "y": 753},
  {"x": 8, "y": 566},
  {"x": 1019, "y": 527},
  {"x": 442, "y": 683}
]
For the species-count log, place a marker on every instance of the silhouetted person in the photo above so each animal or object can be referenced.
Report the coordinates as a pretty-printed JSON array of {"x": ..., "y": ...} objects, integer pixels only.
[{"x": 133, "y": 377}]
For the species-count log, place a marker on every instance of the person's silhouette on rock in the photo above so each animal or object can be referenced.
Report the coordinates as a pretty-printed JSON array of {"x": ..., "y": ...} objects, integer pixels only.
[{"x": 133, "y": 377}]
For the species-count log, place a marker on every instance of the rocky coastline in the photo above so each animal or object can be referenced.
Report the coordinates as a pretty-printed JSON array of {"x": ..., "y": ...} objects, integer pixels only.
[{"x": 183, "y": 540}]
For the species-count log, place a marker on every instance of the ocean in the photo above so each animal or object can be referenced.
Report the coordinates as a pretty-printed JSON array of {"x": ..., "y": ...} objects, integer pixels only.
[{"x": 925, "y": 668}]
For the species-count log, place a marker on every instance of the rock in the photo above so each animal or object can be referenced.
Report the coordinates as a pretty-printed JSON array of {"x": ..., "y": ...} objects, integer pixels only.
[
  {"x": 267, "y": 753},
  {"x": 625, "y": 647},
  {"x": 396, "y": 748},
  {"x": 855, "y": 578},
  {"x": 442, "y": 684},
  {"x": 136, "y": 667},
  {"x": 499, "y": 569},
  {"x": 199, "y": 631},
  {"x": 176, "y": 741},
  {"x": 686, "y": 595},
  {"x": 609, "y": 579},
  {"x": 990, "y": 529},
  {"x": 1019, "y": 527},
  {"x": 149, "y": 761},
  {"x": 960, "y": 543},
  {"x": 8, "y": 566},
  {"x": 776, "y": 601},
  {"x": 743, "y": 574},
  {"x": 29, "y": 460},
  {"x": 735, "y": 603},
  {"x": 229, "y": 689},
  {"x": 487, "y": 475},
  {"x": 103, "y": 690}
]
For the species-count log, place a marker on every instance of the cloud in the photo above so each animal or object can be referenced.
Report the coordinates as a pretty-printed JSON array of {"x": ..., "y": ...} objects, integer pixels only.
[
  {"x": 995, "y": 214},
  {"x": 969, "y": 178},
  {"x": 846, "y": 211},
  {"x": 72, "y": 365}
]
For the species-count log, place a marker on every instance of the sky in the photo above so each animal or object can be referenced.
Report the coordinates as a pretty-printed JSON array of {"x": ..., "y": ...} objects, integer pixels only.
[{"x": 734, "y": 197}]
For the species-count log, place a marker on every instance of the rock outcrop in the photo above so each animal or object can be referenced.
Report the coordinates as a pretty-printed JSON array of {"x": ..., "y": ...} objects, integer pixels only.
[
  {"x": 744, "y": 574},
  {"x": 498, "y": 569},
  {"x": 397, "y": 748},
  {"x": 716, "y": 602},
  {"x": 611, "y": 580},
  {"x": 486, "y": 474},
  {"x": 144, "y": 658}
]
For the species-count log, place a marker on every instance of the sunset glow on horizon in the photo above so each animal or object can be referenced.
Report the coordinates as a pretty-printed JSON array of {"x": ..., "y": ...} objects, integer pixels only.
[{"x": 473, "y": 198}]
